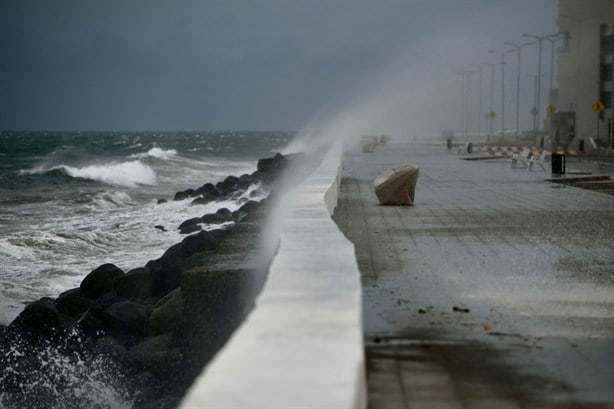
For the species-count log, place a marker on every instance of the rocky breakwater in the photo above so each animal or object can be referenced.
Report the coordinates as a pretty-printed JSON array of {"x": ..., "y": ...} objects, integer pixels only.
[{"x": 139, "y": 338}]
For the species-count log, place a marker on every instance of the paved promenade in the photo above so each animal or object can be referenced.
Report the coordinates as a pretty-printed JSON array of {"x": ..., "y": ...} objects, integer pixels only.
[{"x": 495, "y": 290}]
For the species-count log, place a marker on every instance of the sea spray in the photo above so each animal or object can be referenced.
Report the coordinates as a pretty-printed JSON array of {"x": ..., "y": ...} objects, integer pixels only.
[{"x": 60, "y": 374}]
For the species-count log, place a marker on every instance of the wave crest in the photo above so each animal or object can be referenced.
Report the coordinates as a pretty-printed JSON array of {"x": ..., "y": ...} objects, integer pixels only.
[
  {"x": 127, "y": 174},
  {"x": 158, "y": 153}
]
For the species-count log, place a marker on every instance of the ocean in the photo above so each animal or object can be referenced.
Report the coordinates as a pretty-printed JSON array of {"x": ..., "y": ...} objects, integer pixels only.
[{"x": 71, "y": 201}]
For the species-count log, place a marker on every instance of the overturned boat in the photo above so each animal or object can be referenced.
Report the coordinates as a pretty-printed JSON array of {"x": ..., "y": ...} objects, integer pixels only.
[{"x": 397, "y": 186}]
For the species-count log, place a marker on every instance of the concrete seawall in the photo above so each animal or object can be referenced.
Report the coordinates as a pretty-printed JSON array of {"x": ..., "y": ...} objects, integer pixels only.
[{"x": 302, "y": 345}]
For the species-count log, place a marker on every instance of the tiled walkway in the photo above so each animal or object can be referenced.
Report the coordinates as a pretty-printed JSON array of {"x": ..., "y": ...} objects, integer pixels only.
[{"x": 496, "y": 289}]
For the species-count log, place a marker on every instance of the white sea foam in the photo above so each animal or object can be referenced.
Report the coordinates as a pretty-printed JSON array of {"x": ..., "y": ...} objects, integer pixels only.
[
  {"x": 129, "y": 174},
  {"x": 158, "y": 153},
  {"x": 112, "y": 199}
]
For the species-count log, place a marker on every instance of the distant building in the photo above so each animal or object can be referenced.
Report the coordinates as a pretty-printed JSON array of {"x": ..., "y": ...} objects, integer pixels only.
[{"x": 585, "y": 76}]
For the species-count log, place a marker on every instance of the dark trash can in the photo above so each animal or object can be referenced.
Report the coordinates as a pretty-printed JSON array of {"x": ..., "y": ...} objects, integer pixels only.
[
  {"x": 470, "y": 147},
  {"x": 449, "y": 143},
  {"x": 558, "y": 163},
  {"x": 581, "y": 145}
]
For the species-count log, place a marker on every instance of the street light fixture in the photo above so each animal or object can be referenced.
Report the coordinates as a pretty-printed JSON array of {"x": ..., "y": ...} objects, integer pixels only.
[
  {"x": 518, "y": 48},
  {"x": 502, "y": 54}
]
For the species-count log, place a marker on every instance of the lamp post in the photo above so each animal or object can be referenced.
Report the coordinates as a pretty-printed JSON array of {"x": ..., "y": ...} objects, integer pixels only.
[
  {"x": 553, "y": 39},
  {"x": 518, "y": 48},
  {"x": 480, "y": 71},
  {"x": 502, "y": 54},
  {"x": 539, "y": 40},
  {"x": 492, "y": 94},
  {"x": 466, "y": 101}
]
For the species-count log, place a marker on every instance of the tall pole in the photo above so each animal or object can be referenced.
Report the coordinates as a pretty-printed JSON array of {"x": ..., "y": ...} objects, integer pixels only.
[
  {"x": 466, "y": 102},
  {"x": 492, "y": 94},
  {"x": 539, "y": 40},
  {"x": 480, "y": 103},
  {"x": 502, "y": 54},
  {"x": 518, "y": 48},
  {"x": 552, "y": 39}
]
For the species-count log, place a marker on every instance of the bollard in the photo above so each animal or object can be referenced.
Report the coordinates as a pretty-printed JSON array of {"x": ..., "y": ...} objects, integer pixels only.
[{"x": 449, "y": 143}]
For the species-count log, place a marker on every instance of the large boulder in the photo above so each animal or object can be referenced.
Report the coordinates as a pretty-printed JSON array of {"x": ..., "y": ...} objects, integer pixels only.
[
  {"x": 166, "y": 271},
  {"x": 209, "y": 189},
  {"x": 272, "y": 165},
  {"x": 167, "y": 314},
  {"x": 72, "y": 304},
  {"x": 397, "y": 186},
  {"x": 204, "y": 199},
  {"x": 131, "y": 319},
  {"x": 100, "y": 281},
  {"x": 213, "y": 218},
  {"x": 40, "y": 320},
  {"x": 184, "y": 194},
  {"x": 157, "y": 354},
  {"x": 135, "y": 284},
  {"x": 124, "y": 320}
]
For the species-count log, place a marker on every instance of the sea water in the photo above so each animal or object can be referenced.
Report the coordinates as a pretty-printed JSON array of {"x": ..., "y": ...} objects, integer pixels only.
[{"x": 70, "y": 201}]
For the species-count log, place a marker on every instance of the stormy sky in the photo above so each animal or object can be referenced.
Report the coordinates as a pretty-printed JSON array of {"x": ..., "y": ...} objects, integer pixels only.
[{"x": 252, "y": 65}]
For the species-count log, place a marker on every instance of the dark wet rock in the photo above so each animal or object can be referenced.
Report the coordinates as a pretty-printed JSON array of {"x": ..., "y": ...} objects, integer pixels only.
[
  {"x": 272, "y": 165},
  {"x": 72, "y": 304},
  {"x": 130, "y": 319},
  {"x": 167, "y": 270},
  {"x": 225, "y": 213},
  {"x": 156, "y": 354},
  {"x": 244, "y": 181},
  {"x": 208, "y": 189},
  {"x": 146, "y": 387},
  {"x": 168, "y": 402},
  {"x": 460, "y": 309},
  {"x": 189, "y": 222},
  {"x": 167, "y": 314},
  {"x": 106, "y": 300},
  {"x": 96, "y": 322},
  {"x": 255, "y": 193},
  {"x": 228, "y": 186},
  {"x": 186, "y": 194},
  {"x": 135, "y": 284},
  {"x": 216, "y": 301},
  {"x": 213, "y": 218},
  {"x": 190, "y": 229},
  {"x": 159, "y": 227},
  {"x": 161, "y": 201},
  {"x": 100, "y": 281},
  {"x": 110, "y": 347},
  {"x": 205, "y": 240},
  {"x": 204, "y": 199},
  {"x": 250, "y": 206},
  {"x": 38, "y": 321}
]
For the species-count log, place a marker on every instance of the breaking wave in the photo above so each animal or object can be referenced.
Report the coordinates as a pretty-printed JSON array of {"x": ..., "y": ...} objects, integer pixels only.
[
  {"x": 127, "y": 174},
  {"x": 157, "y": 153}
]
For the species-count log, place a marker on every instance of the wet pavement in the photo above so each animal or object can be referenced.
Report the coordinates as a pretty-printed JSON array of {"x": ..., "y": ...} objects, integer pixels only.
[{"x": 495, "y": 290}]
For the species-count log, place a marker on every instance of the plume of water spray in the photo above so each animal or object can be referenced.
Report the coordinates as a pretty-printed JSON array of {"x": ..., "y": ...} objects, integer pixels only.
[{"x": 59, "y": 375}]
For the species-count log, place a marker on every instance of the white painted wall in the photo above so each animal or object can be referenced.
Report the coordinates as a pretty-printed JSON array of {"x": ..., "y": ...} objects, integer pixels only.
[{"x": 302, "y": 347}]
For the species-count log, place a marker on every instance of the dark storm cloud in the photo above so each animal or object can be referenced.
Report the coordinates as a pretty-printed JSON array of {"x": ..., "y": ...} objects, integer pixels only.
[{"x": 84, "y": 64}]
